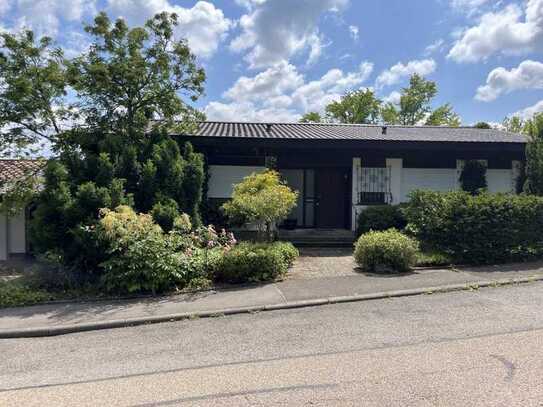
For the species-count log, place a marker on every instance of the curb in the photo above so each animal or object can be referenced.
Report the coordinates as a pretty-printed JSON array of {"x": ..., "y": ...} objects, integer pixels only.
[{"x": 121, "y": 323}]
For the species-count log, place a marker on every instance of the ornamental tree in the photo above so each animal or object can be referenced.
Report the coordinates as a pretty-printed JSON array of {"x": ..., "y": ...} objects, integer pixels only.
[
  {"x": 473, "y": 177},
  {"x": 263, "y": 199},
  {"x": 534, "y": 155}
]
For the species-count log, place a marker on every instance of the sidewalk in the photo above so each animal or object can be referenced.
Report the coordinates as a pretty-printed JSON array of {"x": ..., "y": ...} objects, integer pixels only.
[{"x": 54, "y": 319}]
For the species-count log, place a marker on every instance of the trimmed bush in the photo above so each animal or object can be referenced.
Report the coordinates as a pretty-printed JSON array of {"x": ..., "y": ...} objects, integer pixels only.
[
  {"x": 250, "y": 262},
  {"x": 386, "y": 251},
  {"x": 482, "y": 229},
  {"x": 473, "y": 177},
  {"x": 379, "y": 218}
]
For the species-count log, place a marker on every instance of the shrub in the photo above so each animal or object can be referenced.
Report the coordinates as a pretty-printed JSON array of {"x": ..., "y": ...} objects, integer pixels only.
[
  {"x": 387, "y": 250},
  {"x": 488, "y": 228},
  {"x": 380, "y": 218},
  {"x": 473, "y": 177},
  {"x": 250, "y": 262},
  {"x": 165, "y": 213},
  {"x": 263, "y": 199}
]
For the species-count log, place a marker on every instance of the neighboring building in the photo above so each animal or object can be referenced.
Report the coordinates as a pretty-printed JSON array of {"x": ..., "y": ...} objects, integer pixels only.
[
  {"x": 13, "y": 230},
  {"x": 340, "y": 169}
]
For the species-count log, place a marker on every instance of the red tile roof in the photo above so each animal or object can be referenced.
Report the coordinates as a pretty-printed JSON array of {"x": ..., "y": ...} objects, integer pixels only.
[{"x": 13, "y": 169}]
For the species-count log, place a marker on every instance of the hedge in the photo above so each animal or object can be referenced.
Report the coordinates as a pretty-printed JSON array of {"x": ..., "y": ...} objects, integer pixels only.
[
  {"x": 382, "y": 217},
  {"x": 483, "y": 229}
]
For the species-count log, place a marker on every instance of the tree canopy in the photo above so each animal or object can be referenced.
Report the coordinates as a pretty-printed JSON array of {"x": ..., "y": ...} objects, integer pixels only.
[
  {"x": 108, "y": 115},
  {"x": 311, "y": 117},
  {"x": 357, "y": 107}
]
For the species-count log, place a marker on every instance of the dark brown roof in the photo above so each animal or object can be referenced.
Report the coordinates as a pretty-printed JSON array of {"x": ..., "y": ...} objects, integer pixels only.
[
  {"x": 318, "y": 131},
  {"x": 13, "y": 169}
]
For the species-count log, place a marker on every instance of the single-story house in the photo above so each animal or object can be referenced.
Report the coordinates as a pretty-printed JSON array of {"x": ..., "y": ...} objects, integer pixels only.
[
  {"x": 340, "y": 169},
  {"x": 337, "y": 169},
  {"x": 13, "y": 231}
]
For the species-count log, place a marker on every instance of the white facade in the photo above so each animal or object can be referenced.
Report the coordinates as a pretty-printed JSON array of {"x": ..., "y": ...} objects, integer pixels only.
[
  {"x": 222, "y": 178},
  {"x": 12, "y": 235}
]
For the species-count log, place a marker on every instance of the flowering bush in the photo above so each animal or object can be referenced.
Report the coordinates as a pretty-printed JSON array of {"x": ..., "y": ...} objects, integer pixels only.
[{"x": 142, "y": 258}]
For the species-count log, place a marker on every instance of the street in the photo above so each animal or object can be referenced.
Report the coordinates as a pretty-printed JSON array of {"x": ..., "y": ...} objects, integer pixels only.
[{"x": 483, "y": 347}]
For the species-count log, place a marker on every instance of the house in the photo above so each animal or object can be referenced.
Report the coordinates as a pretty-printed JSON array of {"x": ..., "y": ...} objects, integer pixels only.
[
  {"x": 13, "y": 230},
  {"x": 340, "y": 169},
  {"x": 337, "y": 169}
]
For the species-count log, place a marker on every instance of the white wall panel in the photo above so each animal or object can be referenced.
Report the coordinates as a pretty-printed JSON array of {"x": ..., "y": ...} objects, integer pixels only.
[
  {"x": 433, "y": 179},
  {"x": 499, "y": 180},
  {"x": 222, "y": 178},
  {"x": 17, "y": 234}
]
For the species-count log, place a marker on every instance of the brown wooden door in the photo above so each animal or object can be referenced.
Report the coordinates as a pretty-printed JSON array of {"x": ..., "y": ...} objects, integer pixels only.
[{"x": 331, "y": 189}]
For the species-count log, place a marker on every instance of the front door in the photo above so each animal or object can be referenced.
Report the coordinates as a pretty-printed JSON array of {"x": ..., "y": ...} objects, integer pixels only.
[{"x": 331, "y": 186}]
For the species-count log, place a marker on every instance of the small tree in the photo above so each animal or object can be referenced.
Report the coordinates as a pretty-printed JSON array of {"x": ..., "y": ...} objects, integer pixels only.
[
  {"x": 473, "y": 177},
  {"x": 263, "y": 199},
  {"x": 311, "y": 117},
  {"x": 482, "y": 125}
]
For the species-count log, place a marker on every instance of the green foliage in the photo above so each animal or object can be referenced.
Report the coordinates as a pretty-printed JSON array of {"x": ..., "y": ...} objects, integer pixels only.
[
  {"x": 379, "y": 218},
  {"x": 311, "y": 117},
  {"x": 444, "y": 116},
  {"x": 33, "y": 93},
  {"x": 386, "y": 251},
  {"x": 17, "y": 293},
  {"x": 482, "y": 125},
  {"x": 250, "y": 262},
  {"x": 473, "y": 177},
  {"x": 415, "y": 106},
  {"x": 534, "y": 156},
  {"x": 165, "y": 214},
  {"x": 433, "y": 259},
  {"x": 261, "y": 198},
  {"x": 513, "y": 124},
  {"x": 129, "y": 90},
  {"x": 486, "y": 228},
  {"x": 358, "y": 107}
]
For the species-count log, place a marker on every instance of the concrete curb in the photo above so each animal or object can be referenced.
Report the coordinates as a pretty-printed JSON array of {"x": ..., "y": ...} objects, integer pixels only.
[{"x": 120, "y": 323}]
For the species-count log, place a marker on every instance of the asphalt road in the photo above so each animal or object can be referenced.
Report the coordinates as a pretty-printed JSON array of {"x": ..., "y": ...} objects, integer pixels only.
[{"x": 459, "y": 349}]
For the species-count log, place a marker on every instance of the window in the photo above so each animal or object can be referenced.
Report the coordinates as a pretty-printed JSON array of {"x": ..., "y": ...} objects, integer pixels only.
[{"x": 374, "y": 186}]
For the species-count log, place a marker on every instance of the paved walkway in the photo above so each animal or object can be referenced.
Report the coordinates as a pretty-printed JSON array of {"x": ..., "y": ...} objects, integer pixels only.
[{"x": 291, "y": 292}]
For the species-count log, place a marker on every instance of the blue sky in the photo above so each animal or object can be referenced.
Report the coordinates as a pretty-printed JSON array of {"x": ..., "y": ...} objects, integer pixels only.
[{"x": 273, "y": 60}]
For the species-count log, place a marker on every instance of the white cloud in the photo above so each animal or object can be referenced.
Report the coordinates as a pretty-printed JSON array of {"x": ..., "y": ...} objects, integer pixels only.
[
  {"x": 511, "y": 31},
  {"x": 274, "y": 81},
  {"x": 436, "y": 46},
  {"x": 46, "y": 16},
  {"x": 274, "y": 31},
  {"x": 280, "y": 93},
  {"x": 528, "y": 112},
  {"x": 528, "y": 75},
  {"x": 394, "y": 98},
  {"x": 204, "y": 26},
  {"x": 399, "y": 71},
  {"x": 354, "y": 31},
  {"x": 468, "y": 7}
]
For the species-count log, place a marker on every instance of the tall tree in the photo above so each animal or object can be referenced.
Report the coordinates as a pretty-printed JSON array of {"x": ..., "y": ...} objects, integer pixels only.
[
  {"x": 443, "y": 116},
  {"x": 482, "y": 125},
  {"x": 357, "y": 107},
  {"x": 513, "y": 124},
  {"x": 133, "y": 90},
  {"x": 311, "y": 117},
  {"x": 33, "y": 106},
  {"x": 415, "y": 106}
]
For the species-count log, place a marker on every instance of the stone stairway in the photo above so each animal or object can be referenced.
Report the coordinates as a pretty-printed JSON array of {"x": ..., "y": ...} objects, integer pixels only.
[{"x": 318, "y": 237}]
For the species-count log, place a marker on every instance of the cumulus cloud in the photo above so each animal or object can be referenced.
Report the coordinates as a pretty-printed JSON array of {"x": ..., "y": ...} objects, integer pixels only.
[
  {"x": 273, "y": 31},
  {"x": 510, "y": 31},
  {"x": 45, "y": 17},
  {"x": 280, "y": 93},
  {"x": 529, "y": 112},
  {"x": 394, "y": 98},
  {"x": 204, "y": 26},
  {"x": 528, "y": 75},
  {"x": 399, "y": 71},
  {"x": 468, "y": 7}
]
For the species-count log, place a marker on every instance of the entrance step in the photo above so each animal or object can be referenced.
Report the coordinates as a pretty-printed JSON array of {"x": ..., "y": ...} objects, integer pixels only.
[{"x": 318, "y": 237}]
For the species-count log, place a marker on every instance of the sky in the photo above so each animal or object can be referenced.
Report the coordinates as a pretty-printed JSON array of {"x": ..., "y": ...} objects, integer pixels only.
[{"x": 274, "y": 60}]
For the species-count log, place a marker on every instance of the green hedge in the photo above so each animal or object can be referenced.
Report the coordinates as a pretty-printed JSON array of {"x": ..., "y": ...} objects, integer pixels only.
[
  {"x": 381, "y": 217},
  {"x": 386, "y": 251},
  {"x": 250, "y": 262},
  {"x": 482, "y": 229}
]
